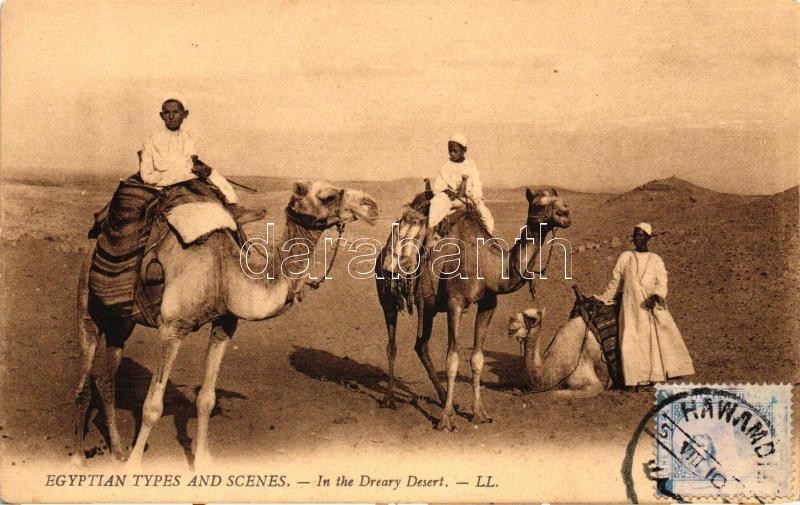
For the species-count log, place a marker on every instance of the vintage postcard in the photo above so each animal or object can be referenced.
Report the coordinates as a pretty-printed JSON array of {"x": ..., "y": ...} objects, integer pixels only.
[{"x": 304, "y": 251}]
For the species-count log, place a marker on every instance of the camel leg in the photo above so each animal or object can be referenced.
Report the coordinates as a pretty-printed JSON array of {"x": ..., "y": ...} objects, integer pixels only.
[
  {"x": 117, "y": 332},
  {"x": 390, "y": 315},
  {"x": 221, "y": 334},
  {"x": 455, "y": 307},
  {"x": 88, "y": 335},
  {"x": 426, "y": 313},
  {"x": 583, "y": 382},
  {"x": 171, "y": 338},
  {"x": 485, "y": 311}
]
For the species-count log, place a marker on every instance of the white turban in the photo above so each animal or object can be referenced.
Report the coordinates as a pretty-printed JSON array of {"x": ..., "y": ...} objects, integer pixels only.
[
  {"x": 645, "y": 227},
  {"x": 459, "y": 138},
  {"x": 173, "y": 96}
]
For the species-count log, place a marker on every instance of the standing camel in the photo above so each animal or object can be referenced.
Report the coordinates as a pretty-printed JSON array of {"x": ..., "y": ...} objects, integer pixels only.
[
  {"x": 462, "y": 287},
  {"x": 204, "y": 283}
]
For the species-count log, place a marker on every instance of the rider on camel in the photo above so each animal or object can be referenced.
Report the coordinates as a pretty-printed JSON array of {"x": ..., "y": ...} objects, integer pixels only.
[{"x": 169, "y": 156}]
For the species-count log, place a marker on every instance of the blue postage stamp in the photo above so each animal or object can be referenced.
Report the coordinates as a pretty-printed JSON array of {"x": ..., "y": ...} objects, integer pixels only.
[{"x": 724, "y": 441}]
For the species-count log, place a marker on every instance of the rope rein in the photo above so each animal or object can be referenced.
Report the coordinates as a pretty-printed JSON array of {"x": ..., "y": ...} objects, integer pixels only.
[
  {"x": 340, "y": 230},
  {"x": 317, "y": 283},
  {"x": 531, "y": 283},
  {"x": 310, "y": 223}
]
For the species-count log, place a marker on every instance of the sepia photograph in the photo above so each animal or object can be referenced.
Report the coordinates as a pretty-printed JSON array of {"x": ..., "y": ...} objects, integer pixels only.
[{"x": 452, "y": 252}]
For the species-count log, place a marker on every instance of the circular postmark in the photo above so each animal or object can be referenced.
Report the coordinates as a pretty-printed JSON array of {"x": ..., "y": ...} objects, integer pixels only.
[{"x": 715, "y": 442}]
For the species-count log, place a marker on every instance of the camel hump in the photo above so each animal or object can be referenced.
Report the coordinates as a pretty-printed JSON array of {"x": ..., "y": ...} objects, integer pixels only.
[{"x": 134, "y": 225}]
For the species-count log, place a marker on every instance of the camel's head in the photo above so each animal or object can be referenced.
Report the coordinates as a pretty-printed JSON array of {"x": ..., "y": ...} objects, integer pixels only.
[
  {"x": 320, "y": 205},
  {"x": 546, "y": 206},
  {"x": 523, "y": 325}
]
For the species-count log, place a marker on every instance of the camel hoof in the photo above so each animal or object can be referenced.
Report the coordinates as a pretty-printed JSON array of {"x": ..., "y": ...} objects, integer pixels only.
[
  {"x": 447, "y": 424},
  {"x": 388, "y": 403}
]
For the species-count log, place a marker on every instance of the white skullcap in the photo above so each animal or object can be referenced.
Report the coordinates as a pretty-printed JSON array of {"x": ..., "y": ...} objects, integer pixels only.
[
  {"x": 645, "y": 227},
  {"x": 459, "y": 138},
  {"x": 173, "y": 96}
]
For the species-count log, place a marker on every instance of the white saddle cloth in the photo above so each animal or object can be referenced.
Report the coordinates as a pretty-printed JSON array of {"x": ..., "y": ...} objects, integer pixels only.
[{"x": 198, "y": 219}]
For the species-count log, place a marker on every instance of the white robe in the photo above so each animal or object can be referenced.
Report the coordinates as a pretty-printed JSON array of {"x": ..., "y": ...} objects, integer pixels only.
[
  {"x": 166, "y": 159},
  {"x": 450, "y": 177},
  {"x": 652, "y": 348}
]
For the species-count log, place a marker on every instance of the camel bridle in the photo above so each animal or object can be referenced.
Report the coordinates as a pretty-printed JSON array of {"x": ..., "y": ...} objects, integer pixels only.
[
  {"x": 312, "y": 223},
  {"x": 537, "y": 218},
  {"x": 309, "y": 222}
]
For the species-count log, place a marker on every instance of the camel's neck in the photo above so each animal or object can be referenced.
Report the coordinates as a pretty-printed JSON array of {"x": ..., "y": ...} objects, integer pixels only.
[
  {"x": 532, "y": 354},
  {"x": 522, "y": 263},
  {"x": 272, "y": 280},
  {"x": 294, "y": 254}
]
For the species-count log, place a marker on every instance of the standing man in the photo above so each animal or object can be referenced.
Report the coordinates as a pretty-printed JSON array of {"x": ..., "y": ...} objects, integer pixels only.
[{"x": 651, "y": 346}]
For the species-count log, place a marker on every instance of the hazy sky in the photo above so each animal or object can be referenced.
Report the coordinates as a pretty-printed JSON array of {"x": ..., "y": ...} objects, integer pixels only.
[{"x": 581, "y": 94}]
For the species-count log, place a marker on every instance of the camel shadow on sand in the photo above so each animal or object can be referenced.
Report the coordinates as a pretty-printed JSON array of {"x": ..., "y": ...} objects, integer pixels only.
[
  {"x": 132, "y": 383},
  {"x": 509, "y": 369},
  {"x": 357, "y": 377},
  {"x": 372, "y": 381}
]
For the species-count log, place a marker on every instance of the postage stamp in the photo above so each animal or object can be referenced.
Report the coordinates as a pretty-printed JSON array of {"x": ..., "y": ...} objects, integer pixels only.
[{"x": 724, "y": 441}]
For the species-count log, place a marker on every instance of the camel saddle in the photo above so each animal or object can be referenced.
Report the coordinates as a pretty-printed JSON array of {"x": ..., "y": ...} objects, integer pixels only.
[
  {"x": 125, "y": 273},
  {"x": 429, "y": 281},
  {"x": 407, "y": 290},
  {"x": 417, "y": 211},
  {"x": 603, "y": 321},
  {"x": 427, "y": 284}
]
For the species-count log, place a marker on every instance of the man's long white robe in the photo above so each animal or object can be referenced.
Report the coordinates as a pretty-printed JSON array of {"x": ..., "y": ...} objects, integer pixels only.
[
  {"x": 651, "y": 346},
  {"x": 450, "y": 177},
  {"x": 166, "y": 159}
]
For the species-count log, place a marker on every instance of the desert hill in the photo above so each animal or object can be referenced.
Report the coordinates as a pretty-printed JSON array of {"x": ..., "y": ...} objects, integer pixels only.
[
  {"x": 315, "y": 374},
  {"x": 672, "y": 205}
]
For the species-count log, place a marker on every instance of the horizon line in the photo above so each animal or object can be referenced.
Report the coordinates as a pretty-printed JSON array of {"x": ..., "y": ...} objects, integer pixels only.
[{"x": 16, "y": 174}]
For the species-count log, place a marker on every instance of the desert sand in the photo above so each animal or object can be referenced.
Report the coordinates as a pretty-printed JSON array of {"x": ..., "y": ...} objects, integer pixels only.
[{"x": 311, "y": 380}]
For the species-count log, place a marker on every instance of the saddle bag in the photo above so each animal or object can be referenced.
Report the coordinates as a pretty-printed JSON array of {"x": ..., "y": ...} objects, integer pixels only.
[{"x": 603, "y": 321}]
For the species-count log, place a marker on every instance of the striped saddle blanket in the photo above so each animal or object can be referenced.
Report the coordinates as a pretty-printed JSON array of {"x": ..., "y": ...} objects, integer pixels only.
[
  {"x": 603, "y": 321},
  {"x": 125, "y": 274}
]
